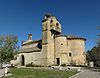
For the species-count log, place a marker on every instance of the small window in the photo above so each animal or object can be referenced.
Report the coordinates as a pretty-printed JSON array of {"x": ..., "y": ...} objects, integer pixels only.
[
  {"x": 61, "y": 43},
  {"x": 70, "y": 54}
]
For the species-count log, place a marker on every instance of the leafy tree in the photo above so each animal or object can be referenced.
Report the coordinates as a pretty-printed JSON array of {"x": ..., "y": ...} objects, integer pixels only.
[
  {"x": 98, "y": 51},
  {"x": 98, "y": 43},
  {"x": 94, "y": 53},
  {"x": 8, "y": 47}
]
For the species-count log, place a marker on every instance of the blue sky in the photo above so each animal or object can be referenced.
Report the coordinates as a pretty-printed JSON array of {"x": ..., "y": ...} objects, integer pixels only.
[{"x": 78, "y": 17}]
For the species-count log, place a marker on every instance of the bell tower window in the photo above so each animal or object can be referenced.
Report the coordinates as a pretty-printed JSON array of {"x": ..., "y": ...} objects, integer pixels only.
[
  {"x": 70, "y": 54},
  {"x": 57, "y": 24},
  {"x": 51, "y": 21}
]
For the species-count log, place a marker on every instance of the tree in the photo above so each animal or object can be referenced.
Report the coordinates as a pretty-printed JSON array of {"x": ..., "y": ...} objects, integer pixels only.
[
  {"x": 98, "y": 48},
  {"x": 94, "y": 53},
  {"x": 98, "y": 42},
  {"x": 8, "y": 47}
]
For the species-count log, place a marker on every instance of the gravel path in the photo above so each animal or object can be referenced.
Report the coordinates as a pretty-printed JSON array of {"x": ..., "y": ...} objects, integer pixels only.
[{"x": 88, "y": 73}]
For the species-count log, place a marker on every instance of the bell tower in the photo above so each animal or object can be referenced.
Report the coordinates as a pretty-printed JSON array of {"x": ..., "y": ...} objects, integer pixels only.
[{"x": 50, "y": 28}]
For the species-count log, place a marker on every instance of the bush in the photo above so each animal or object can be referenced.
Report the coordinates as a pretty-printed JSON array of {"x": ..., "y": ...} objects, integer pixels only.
[
  {"x": 63, "y": 64},
  {"x": 49, "y": 66},
  {"x": 30, "y": 65},
  {"x": 55, "y": 65},
  {"x": 33, "y": 65}
]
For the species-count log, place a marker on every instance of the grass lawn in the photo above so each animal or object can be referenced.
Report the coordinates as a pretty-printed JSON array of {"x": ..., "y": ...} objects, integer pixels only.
[{"x": 39, "y": 73}]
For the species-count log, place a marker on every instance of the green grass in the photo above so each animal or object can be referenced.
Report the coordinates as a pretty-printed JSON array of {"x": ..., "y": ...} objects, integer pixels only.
[{"x": 39, "y": 73}]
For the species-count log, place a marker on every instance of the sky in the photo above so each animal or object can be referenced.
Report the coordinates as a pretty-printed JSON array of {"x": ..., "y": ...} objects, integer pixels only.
[{"x": 77, "y": 17}]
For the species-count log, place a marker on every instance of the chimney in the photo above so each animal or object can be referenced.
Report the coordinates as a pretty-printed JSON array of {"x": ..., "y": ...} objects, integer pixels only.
[{"x": 29, "y": 36}]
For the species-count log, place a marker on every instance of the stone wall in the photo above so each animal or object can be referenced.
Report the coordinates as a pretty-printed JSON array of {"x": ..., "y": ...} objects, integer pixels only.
[
  {"x": 47, "y": 45},
  {"x": 33, "y": 57},
  {"x": 77, "y": 50},
  {"x": 61, "y": 50}
]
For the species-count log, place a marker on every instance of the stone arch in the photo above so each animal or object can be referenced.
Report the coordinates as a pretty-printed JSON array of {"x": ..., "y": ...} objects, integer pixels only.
[{"x": 22, "y": 60}]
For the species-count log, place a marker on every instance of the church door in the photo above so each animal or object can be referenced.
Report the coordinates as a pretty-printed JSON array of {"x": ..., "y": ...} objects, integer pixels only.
[
  {"x": 22, "y": 60},
  {"x": 58, "y": 61}
]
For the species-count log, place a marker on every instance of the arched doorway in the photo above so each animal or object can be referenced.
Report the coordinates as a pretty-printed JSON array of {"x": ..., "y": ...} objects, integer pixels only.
[{"x": 22, "y": 60}]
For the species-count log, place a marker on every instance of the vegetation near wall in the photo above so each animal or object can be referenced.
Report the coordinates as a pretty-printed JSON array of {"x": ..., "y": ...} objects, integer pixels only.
[
  {"x": 8, "y": 47},
  {"x": 94, "y": 54}
]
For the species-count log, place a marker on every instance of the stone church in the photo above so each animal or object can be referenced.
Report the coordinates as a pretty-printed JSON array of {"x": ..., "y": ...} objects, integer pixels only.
[{"x": 54, "y": 48}]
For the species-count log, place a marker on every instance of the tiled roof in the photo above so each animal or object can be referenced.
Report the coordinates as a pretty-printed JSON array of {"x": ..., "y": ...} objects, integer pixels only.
[
  {"x": 32, "y": 49},
  {"x": 75, "y": 37},
  {"x": 31, "y": 42},
  {"x": 70, "y": 37}
]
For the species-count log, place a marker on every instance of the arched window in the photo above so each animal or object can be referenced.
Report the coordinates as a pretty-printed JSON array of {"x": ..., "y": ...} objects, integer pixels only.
[{"x": 51, "y": 21}]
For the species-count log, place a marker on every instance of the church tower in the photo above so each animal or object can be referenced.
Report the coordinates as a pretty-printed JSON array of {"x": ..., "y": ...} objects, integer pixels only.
[{"x": 50, "y": 28}]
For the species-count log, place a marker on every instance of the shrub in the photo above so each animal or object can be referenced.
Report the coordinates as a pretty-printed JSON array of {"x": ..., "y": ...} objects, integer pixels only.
[
  {"x": 55, "y": 65},
  {"x": 33, "y": 65},
  {"x": 63, "y": 64},
  {"x": 49, "y": 66},
  {"x": 30, "y": 65}
]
